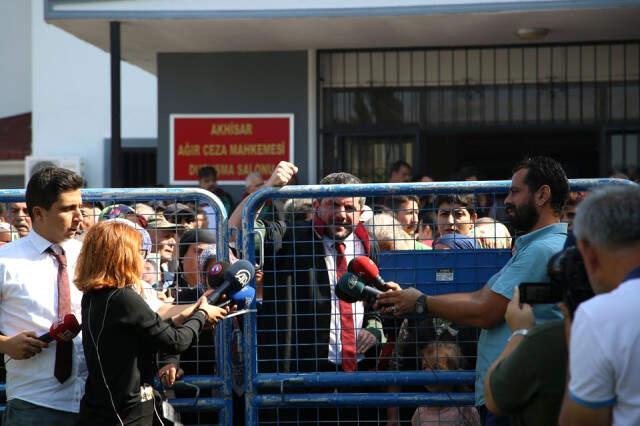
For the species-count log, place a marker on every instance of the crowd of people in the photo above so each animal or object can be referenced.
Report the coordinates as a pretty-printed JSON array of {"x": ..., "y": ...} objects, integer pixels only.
[{"x": 135, "y": 274}]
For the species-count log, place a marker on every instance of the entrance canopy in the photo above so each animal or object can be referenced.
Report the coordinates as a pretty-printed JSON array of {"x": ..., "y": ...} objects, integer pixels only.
[{"x": 153, "y": 26}]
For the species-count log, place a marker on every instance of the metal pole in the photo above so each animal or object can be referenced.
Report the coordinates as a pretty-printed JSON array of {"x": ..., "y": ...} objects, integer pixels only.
[{"x": 116, "y": 114}]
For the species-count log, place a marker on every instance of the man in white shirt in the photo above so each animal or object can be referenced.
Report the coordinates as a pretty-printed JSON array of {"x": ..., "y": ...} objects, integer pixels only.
[
  {"x": 44, "y": 382},
  {"x": 604, "y": 348}
]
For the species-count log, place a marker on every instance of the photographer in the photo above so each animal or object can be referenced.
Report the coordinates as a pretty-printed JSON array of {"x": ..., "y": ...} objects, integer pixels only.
[
  {"x": 527, "y": 380},
  {"x": 604, "y": 343}
]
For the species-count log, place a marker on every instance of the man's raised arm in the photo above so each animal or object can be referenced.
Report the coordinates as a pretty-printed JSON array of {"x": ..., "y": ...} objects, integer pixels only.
[{"x": 281, "y": 175}]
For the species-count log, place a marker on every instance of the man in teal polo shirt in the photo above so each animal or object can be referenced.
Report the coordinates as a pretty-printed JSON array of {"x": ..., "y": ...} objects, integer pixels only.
[{"x": 539, "y": 189}]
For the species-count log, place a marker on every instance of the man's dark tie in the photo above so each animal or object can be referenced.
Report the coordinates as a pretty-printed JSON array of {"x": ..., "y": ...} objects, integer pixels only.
[{"x": 64, "y": 350}]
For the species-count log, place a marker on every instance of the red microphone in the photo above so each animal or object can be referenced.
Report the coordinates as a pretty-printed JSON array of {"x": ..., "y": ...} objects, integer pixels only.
[
  {"x": 368, "y": 272},
  {"x": 62, "y": 331}
]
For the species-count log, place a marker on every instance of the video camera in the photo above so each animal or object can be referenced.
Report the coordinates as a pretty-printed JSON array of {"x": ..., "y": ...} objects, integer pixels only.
[{"x": 569, "y": 282}]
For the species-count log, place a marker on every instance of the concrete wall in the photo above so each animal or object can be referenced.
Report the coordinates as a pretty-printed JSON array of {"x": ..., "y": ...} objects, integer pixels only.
[
  {"x": 233, "y": 83},
  {"x": 71, "y": 101},
  {"x": 15, "y": 57}
]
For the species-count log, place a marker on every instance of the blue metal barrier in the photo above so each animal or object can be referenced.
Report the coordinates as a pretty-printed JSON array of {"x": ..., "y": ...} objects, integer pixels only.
[
  {"x": 439, "y": 273},
  {"x": 364, "y": 399},
  {"x": 442, "y": 272},
  {"x": 222, "y": 381},
  {"x": 303, "y": 380}
]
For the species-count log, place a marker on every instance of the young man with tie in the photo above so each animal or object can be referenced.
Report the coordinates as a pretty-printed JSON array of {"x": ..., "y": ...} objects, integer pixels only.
[{"x": 44, "y": 382}]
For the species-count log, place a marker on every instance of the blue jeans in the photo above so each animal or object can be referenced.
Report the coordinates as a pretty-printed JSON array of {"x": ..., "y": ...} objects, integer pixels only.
[{"x": 22, "y": 413}]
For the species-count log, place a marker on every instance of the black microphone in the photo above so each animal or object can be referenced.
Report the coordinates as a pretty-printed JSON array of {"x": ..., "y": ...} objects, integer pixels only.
[
  {"x": 350, "y": 289},
  {"x": 215, "y": 274},
  {"x": 236, "y": 276}
]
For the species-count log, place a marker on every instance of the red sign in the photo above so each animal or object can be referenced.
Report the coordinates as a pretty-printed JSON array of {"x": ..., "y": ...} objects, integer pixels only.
[{"x": 235, "y": 145}]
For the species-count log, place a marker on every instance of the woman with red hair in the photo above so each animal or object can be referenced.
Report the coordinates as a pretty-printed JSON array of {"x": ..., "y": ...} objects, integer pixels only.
[{"x": 121, "y": 334}]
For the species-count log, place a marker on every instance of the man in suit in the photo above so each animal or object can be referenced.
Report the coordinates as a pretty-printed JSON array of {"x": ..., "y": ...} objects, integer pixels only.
[{"x": 302, "y": 325}]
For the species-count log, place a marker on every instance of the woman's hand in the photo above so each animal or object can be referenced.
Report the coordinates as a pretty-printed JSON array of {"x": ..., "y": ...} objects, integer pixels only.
[
  {"x": 169, "y": 373},
  {"x": 214, "y": 312},
  {"x": 180, "y": 318}
]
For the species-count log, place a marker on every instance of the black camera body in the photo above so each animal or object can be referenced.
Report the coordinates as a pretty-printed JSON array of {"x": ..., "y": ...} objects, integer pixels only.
[{"x": 569, "y": 282}]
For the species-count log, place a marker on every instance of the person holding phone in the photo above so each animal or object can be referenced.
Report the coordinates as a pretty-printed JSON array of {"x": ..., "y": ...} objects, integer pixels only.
[{"x": 527, "y": 380}]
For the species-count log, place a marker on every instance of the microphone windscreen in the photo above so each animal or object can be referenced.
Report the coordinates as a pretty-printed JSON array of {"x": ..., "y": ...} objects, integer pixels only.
[
  {"x": 66, "y": 329},
  {"x": 350, "y": 266},
  {"x": 239, "y": 274},
  {"x": 244, "y": 296},
  {"x": 349, "y": 288},
  {"x": 365, "y": 268},
  {"x": 215, "y": 274}
]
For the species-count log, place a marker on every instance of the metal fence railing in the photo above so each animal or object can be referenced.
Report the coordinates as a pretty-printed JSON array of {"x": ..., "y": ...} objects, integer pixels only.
[
  {"x": 293, "y": 367},
  {"x": 172, "y": 276},
  {"x": 284, "y": 363}
]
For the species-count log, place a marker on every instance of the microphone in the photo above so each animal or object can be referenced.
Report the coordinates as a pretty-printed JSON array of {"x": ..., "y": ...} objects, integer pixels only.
[
  {"x": 236, "y": 277},
  {"x": 350, "y": 289},
  {"x": 215, "y": 274},
  {"x": 368, "y": 271},
  {"x": 243, "y": 297},
  {"x": 62, "y": 331}
]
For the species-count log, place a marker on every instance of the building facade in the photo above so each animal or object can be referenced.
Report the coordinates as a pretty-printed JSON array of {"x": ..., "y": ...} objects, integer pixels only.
[
  {"x": 443, "y": 85},
  {"x": 54, "y": 99}
]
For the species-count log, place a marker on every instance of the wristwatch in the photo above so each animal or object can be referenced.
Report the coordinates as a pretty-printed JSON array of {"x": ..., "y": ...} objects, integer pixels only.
[
  {"x": 518, "y": 332},
  {"x": 421, "y": 305}
]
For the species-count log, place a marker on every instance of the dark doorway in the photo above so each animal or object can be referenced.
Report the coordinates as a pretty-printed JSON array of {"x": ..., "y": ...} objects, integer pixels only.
[
  {"x": 138, "y": 167},
  {"x": 494, "y": 153},
  {"x": 369, "y": 156}
]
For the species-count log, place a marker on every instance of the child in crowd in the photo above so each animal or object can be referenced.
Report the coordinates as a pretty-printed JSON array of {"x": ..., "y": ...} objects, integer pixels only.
[
  {"x": 443, "y": 356},
  {"x": 426, "y": 231}
]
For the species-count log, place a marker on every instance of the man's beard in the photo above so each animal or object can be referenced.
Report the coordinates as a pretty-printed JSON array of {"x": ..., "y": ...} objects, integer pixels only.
[
  {"x": 348, "y": 229},
  {"x": 524, "y": 217}
]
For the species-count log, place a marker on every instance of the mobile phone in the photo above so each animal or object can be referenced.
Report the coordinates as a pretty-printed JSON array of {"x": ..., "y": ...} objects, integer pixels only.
[{"x": 538, "y": 293}]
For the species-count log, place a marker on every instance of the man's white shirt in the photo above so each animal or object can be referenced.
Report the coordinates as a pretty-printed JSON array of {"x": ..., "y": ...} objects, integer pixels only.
[
  {"x": 353, "y": 248},
  {"x": 605, "y": 352},
  {"x": 29, "y": 302}
]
